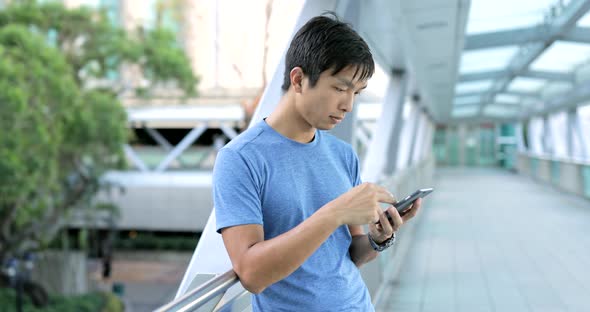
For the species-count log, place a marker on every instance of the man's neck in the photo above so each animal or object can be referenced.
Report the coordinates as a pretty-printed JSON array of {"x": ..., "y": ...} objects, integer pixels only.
[{"x": 287, "y": 121}]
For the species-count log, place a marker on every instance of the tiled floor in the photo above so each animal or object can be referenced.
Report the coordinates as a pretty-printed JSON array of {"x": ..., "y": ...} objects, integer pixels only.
[{"x": 490, "y": 240}]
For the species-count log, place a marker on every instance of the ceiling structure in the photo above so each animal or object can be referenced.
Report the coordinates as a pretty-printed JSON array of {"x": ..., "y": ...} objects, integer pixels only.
[
  {"x": 527, "y": 60},
  {"x": 423, "y": 38},
  {"x": 485, "y": 60}
]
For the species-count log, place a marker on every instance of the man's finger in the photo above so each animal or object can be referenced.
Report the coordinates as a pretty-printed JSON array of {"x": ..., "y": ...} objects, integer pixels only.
[
  {"x": 397, "y": 219},
  {"x": 413, "y": 210},
  {"x": 386, "y": 226},
  {"x": 384, "y": 196}
]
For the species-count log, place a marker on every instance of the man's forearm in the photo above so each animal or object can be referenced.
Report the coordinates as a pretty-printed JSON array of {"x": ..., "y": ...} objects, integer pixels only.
[
  {"x": 270, "y": 261},
  {"x": 361, "y": 251}
]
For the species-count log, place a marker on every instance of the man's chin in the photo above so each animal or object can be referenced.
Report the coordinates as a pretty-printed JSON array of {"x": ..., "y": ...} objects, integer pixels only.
[{"x": 325, "y": 127}]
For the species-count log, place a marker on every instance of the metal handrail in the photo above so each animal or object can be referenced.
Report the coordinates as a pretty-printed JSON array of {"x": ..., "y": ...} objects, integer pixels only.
[{"x": 199, "y": 296}]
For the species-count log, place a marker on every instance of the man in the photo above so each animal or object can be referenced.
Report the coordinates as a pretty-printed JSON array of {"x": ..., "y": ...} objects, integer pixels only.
[{"x": 288, "y": 197}]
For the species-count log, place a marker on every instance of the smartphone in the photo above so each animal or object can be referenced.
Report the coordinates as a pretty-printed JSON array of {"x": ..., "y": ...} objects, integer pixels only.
[{"x": 403, "y": 204}]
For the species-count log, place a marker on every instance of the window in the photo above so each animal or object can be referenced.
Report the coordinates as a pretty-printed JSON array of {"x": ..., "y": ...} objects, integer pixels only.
[
  {"x": 562, "y": 57},
  {"x": 501, "y": 111},
  {"x": 407, "y": 135},
  {"x": 475, "y": 86},
  {"x": 526, "y": 84},
  {"x": 492, "y": 15},
  {"x": 465, "y": 111},
  {"x": 584, "y": 131},
  {"x": 487, "y": 59},
  {"x": 536, "y": 136},
  {"x": 558, "y": 138},
  {"x": 507, "y": 98},
  {"x": 463, "y": 100}
]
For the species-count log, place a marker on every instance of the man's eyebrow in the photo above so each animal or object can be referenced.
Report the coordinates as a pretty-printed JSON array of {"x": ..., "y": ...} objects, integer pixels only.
[{"x": 349, "y": 83}]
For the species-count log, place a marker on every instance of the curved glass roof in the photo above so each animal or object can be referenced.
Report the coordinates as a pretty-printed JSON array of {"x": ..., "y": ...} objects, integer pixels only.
[{"x": 520, "y": 61}]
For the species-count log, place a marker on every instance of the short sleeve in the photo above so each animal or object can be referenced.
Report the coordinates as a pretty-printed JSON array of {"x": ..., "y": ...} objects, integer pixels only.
[{"x": 235, "y": 191}]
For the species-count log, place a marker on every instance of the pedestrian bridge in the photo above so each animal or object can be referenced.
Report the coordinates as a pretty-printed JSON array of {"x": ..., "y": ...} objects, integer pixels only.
[
  {"x": 493, "y": 115},
  {"x": 488, "y": 239}
]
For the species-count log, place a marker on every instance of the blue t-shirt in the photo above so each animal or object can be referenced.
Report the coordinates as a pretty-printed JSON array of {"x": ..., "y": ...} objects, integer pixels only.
[{"x": 262, "y": 177}]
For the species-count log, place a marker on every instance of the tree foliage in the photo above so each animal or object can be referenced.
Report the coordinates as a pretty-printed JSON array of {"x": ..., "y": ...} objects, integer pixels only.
[
  {"x": 57, "y": 136},
  {"x": 94, "y": 47}
]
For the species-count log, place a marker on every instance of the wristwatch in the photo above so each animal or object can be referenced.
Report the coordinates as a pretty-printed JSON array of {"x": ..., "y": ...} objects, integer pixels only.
[{"x": 384, "y": 245}]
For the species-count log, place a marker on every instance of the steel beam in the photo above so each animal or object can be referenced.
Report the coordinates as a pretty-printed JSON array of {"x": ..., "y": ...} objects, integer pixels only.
[
  {"x": 130, "y": 153},
  {"x": 505, "y": 38},
  {"x": 577, "y": 34},
  {"x": 185, "y": 143},
  {"x": 496, "y": 74}
]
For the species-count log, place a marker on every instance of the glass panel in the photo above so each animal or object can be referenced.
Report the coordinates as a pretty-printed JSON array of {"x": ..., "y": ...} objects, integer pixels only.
[
  {"x": 584, "y": 120},
  {"x": 492, "y": 15},
  {"x": 577, "y": 147},
  {"x": 465, "y": 111},
  {"x": 487, "y": 59},
  {"x": 554, "y": 88},
  {"x": 418, "y": 138},
  {"x": 472, "y": 99},
  {"x": 557, "y": 126},
  {"x": 439, "y": 145},
  {"x": 407, "y": 135},
  {"x": 507, "y": 98},
  {"x": 369, "y": 111},
  {"x": 526, "y": 84},
  {"x": 377, "y": 86},
  {"x": 532, "y": 103},
  {"x": 500, "y": 111},
  {"x": 562, "y": 56},
  {"x": 474, "y": 86},
  {"x": 584, "y": 21},
  {"x": 536, "y": 136}
]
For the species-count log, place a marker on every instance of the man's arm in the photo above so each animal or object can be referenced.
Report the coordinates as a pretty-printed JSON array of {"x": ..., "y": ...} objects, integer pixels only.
[
  {"x": 260, "y": 263},
  {"x": 360, "y": 249}
]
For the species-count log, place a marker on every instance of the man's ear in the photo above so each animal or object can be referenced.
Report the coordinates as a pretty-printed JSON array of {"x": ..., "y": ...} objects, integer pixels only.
[{"x": 296, "y": 76}]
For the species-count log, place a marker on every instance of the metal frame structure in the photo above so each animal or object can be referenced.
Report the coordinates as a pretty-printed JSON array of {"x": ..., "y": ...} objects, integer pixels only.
[
  {"x": 559, "y": 25},
  {"x": 199, "y": 118}
]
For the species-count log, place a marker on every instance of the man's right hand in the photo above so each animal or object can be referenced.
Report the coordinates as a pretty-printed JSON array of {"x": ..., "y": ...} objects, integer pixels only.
[{"x": 360, "y": 205}]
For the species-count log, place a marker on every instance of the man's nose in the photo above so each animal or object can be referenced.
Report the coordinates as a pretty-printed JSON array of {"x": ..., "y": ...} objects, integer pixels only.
[{"x": 347, "y": 104}]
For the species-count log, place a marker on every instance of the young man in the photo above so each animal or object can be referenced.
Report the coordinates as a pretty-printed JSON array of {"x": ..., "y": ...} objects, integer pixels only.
[{"x": 288, "y": 197}]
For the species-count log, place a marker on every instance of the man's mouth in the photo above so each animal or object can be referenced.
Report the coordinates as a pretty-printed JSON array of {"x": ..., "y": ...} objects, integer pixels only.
[{"x": 336, "y": 119}]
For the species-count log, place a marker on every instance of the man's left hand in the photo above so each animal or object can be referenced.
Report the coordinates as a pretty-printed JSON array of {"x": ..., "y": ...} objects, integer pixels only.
[{"x": 384, "y": 229}]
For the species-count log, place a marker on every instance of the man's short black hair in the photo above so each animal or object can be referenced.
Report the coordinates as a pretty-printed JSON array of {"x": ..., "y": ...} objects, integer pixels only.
[{"x": 325, "y": 43}]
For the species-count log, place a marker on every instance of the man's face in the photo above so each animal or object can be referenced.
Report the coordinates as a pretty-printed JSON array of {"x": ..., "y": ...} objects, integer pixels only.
[{"x": 325, "y": 105}]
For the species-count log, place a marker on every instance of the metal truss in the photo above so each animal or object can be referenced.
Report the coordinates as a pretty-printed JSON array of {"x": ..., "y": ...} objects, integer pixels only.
[{"x": 533, "y": 41}]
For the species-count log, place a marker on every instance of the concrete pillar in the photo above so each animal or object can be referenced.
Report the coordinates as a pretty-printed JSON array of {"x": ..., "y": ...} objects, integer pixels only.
[{"x": 382, "y": 152}]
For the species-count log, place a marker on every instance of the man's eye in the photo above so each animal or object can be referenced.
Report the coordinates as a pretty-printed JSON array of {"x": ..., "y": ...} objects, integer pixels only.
[{"x": 339, "y": 89}]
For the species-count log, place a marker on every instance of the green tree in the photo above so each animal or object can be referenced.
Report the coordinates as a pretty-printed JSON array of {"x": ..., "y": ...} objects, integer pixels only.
[{"x": 58, "y": 136}]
